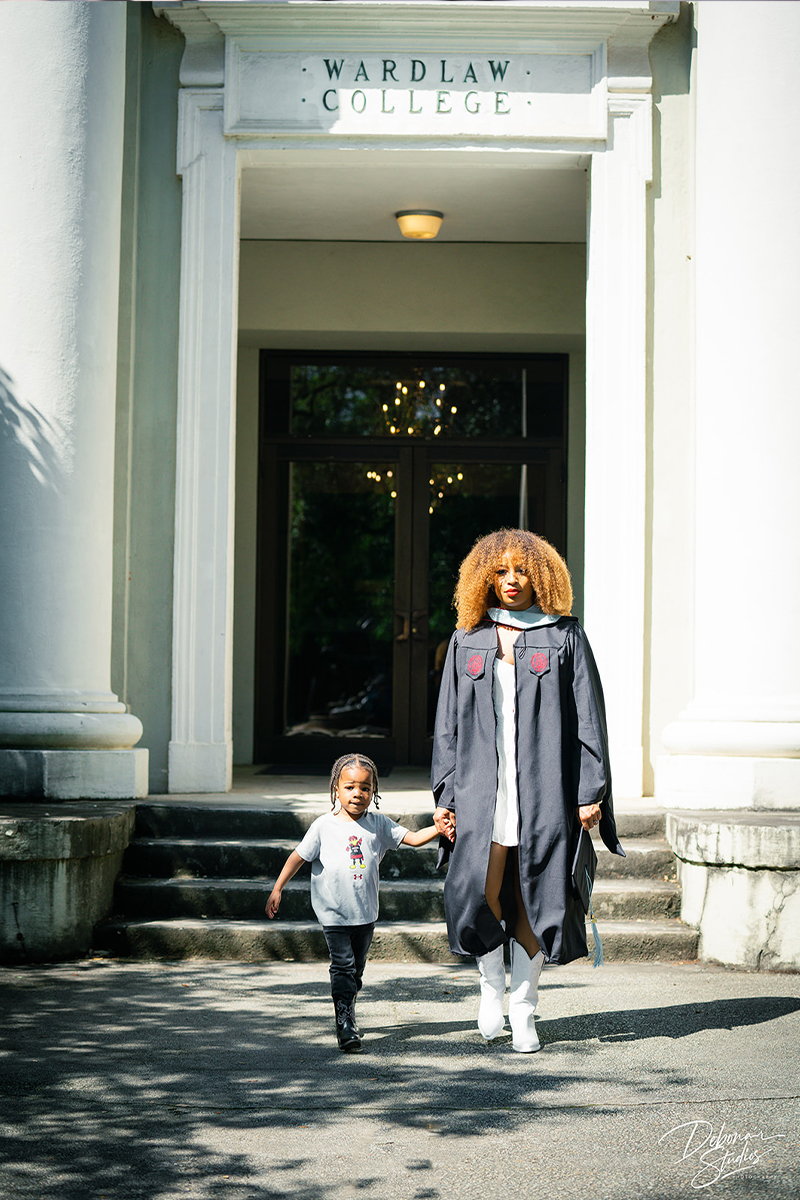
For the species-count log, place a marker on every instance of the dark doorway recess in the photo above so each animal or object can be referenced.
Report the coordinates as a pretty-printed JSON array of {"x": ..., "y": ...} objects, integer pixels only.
[{"x": 377, "y": 474}]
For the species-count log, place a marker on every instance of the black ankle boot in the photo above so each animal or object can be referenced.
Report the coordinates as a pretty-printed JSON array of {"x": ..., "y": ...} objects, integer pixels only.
[{"x": 347, "y": 1032}]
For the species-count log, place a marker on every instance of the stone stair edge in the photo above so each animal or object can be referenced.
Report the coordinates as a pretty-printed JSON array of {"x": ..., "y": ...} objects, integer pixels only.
[
  {"x": 639, "y": 845},
  {"x": 767, "y": 818},
  {"x": 608, "y": 926},
  {"x": 237, "y": 882},
  {"x": 666, "y": 940},
  {"x": 408, "y": 804}
]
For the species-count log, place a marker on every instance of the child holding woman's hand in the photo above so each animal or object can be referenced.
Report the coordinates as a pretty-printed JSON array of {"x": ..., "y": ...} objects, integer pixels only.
[{"x": 345, "y": 848}]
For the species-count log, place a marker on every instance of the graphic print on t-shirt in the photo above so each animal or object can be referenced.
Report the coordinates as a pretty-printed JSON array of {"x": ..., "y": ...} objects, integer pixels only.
[{"x": 356, "y": 853}]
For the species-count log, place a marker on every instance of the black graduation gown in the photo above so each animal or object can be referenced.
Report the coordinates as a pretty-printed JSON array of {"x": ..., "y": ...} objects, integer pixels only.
[{"x": 562, "y": 762}]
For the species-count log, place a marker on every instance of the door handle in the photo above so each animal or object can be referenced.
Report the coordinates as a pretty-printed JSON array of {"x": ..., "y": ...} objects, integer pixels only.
[
  {"x": 404, "y": 635},
  {"x": 420, "y": 615}
]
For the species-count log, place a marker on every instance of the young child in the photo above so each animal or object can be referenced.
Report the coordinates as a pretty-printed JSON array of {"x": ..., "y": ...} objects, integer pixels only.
[{"x": 345, "y": 848}]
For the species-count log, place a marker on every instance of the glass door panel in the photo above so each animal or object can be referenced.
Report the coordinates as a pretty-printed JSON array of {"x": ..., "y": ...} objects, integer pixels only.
[
  {"x": 415, "y": 396},
  {"x": 339, "y": 588},
  {"x": 467, "y": 500}
]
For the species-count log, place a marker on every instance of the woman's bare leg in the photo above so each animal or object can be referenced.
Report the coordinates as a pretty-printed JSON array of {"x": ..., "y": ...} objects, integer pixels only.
[
  {"x": 494, "y": 877},
  {"x": 523, "y": 932}
]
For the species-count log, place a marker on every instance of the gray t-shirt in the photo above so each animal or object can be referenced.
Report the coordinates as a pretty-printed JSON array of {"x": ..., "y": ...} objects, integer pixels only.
[{"x": 344, "y": 857}]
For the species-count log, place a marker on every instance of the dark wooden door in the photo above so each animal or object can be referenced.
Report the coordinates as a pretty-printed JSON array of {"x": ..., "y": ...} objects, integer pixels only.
[{"x": 361, "y": 536}]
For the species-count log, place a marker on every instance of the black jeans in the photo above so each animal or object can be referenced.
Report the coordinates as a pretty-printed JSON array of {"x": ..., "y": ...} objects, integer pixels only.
[{"x": 348, "y": 946}]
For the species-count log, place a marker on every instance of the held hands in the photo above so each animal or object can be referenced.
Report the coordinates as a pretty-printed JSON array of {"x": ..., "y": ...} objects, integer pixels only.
[
  {"x": 589, "y": 816},
  {"x": 274, "y": 902},
  {"x": 445, "y": 822}
]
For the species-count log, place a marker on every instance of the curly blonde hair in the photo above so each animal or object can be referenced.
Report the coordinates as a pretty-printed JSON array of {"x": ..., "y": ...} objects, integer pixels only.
[{"x": 544, "y": 566}]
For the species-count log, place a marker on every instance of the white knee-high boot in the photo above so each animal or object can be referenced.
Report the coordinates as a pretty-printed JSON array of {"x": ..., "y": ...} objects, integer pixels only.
[
  {"x": 523, "y": 998},
  {"x": 493, "y": 986}
]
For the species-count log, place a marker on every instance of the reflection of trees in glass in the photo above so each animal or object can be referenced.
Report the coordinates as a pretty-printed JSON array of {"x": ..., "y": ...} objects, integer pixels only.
[
  {"x": 399, "y": 399},
  {"x": 480, "y": 498},
  {"x": 340, "y": 586},
  {"x": 486, "y": 497}
]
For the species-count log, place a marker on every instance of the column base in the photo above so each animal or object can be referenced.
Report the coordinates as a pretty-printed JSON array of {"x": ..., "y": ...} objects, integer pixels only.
[
  {"x": 200, "y": 767},
  {"x": 85, "y": 729},
  {"x": 740, "y": 881},
  {"x": 717, "y": 781},
  {"x": 74, "y": 774}
]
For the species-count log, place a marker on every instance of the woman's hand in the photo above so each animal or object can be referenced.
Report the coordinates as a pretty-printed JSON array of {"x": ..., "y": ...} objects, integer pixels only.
[
  {"x": 589, "y": 816},
  {"x": 274, "y": 902},
  {"x": 445, "y": 821}
]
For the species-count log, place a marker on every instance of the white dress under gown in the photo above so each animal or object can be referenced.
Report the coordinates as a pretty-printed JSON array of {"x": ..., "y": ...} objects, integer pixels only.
[{"x": 506, "y": 812}]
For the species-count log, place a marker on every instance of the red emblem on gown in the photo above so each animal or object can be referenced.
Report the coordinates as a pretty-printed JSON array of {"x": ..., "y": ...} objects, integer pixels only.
[
  {"x": 539, "y": 663},
  {"x": 475, "y": 665}
]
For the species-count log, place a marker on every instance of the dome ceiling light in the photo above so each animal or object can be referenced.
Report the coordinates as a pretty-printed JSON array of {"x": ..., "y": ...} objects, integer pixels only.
[{"x": 419, "y": 222}]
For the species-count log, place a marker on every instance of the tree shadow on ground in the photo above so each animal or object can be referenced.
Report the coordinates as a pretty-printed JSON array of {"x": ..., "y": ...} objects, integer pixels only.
[{"x": 160, "y": 1080}]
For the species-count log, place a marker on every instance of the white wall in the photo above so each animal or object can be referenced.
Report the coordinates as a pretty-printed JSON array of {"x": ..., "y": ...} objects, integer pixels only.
[
  {"x": 144, "y": 500},
  {"x": 395, "y": 296}
]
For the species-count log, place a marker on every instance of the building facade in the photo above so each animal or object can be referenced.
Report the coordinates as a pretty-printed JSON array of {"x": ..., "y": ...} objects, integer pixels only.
[{"x": 249, "y": 429}]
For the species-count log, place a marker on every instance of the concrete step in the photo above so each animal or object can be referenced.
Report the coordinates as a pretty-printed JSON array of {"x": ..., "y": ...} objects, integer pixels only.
[
  {"x": 635, "y": 899},
  {"x": 232, "y": 821},
  {"x": 162, "y": 858},
  {"x": 202, "y": 858},
  {"x": 400, "y": 900},
  {"x": 179, "y": 819},
  {"x": 244, "y": 899},
  {"x": 395, "y": 941},
  {"x": 645, "y": 858}
]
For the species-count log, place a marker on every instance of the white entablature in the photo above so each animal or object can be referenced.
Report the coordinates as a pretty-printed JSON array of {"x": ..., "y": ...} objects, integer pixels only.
[{"x": 625, "y": 29}]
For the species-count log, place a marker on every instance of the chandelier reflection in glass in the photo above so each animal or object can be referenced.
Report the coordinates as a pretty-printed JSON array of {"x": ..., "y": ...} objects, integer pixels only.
[
  {"x": 417, "y": 410},
  {"x": 444, "y": 482}
]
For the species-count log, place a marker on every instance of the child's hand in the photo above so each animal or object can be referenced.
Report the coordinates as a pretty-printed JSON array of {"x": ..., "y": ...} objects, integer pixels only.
[
  {"x": 445, "y": 822},
  {"x": 274, "y": 902}
]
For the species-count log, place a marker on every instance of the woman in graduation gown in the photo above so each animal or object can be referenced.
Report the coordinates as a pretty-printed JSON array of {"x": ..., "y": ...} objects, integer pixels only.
[{"x": 520, "y": 763}]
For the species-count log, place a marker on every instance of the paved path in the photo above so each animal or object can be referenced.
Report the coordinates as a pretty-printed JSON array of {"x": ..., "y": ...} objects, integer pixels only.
[{"x": 223, "y": 1080}]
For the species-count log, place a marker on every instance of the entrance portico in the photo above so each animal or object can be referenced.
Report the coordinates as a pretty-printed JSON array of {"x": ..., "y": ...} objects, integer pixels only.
[{"x": 267, "y": 84}]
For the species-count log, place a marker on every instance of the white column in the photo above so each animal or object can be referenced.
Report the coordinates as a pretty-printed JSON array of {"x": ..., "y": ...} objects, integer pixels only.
[
  {"x": 63, "y": 733},
  {"x": 738, "y": 743},
  {"x": 200, "y": 750},
  {"x": 616, "y": 306}
]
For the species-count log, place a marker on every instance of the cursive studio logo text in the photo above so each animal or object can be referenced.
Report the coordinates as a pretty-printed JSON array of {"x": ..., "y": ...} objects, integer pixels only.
[{"x": 715, "y": 1156}]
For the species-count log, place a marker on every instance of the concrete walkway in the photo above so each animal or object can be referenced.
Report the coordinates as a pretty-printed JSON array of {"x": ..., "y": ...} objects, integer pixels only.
[{"x": 161, "y": 1080}]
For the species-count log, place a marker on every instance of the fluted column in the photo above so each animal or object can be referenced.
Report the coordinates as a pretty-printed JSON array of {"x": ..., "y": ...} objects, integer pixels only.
[
  {"x": 200, "y": 748},
  {"x": 63, "y": 733},
  {"x": 737, "y": 745},
  {"x": 616, "y": 382}
]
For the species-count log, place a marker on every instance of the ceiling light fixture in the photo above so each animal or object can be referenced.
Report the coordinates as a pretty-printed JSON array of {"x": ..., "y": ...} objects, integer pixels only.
[{"x": 419, "y": 223}]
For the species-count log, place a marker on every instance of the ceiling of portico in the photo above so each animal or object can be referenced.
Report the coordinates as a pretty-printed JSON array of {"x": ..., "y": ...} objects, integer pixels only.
[{"x": 353, "y": 196}]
